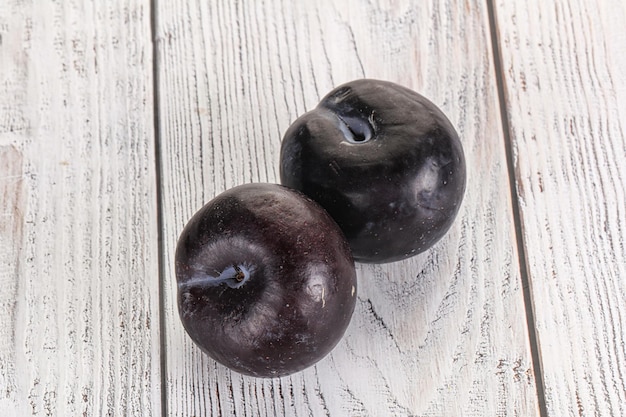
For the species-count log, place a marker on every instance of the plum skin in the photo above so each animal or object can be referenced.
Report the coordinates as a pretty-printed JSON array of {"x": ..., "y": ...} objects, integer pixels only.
[
  {"x": 266, "y": 280},
  {"x": 384, "y": 161}
]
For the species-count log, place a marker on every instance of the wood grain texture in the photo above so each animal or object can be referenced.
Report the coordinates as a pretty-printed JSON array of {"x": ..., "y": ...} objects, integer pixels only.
[
  {"x": 442, "y": 334},
  {"x": 11, "y": 233},
  {"x": 566, "y": 100},
  {"x": 79, "y": 308}
]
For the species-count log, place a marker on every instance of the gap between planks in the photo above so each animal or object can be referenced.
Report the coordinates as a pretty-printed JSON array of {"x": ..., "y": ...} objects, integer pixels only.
[
  {"x": 156, "y": 111},
  {"x": 515, "y": 209}
]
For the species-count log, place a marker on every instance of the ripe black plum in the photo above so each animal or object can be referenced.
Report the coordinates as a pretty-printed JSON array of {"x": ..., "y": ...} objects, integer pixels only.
[
  {"x": 384, "y": 161},
  {"x": 266, "y": 280}
]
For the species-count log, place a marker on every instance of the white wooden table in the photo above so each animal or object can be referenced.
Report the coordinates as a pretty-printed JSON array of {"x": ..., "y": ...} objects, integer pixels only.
[{"x": 120, "y": 118}]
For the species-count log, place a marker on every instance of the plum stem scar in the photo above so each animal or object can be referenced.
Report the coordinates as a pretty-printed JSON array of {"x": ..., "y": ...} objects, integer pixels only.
[
  {"x": 233, "y": 276},
  {"x": 239, "y": 274}
]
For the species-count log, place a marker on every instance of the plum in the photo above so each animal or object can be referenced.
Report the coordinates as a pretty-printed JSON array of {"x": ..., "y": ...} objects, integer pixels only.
[
  {"x": 266, "y": 280},
  {"x": 384, "y": 161}
]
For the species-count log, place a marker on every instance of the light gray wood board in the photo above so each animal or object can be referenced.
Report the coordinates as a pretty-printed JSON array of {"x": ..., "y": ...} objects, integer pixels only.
[
  {"x": 566, "y": 100},
  {"x": 78, "y": 230},
  {"x": 441, "y": 334}
]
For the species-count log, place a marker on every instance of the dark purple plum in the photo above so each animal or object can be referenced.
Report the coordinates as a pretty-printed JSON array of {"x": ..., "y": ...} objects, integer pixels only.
[
  {"x": 384, "y": 161},
  {"x": 266, "y": 280}
]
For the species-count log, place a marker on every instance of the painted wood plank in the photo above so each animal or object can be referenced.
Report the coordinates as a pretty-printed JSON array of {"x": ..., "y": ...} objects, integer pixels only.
[
  {"x": 566, "y": 101},
  {"x": 79, "y": 312},
  {"x": 443, "y": 333}
]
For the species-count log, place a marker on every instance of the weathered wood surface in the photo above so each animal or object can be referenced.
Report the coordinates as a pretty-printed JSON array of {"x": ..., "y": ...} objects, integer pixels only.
[
  {"x": 92, "y": 199},
  {"x": 79, "y": 307},
  {"x": 565, "y": 87}
]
